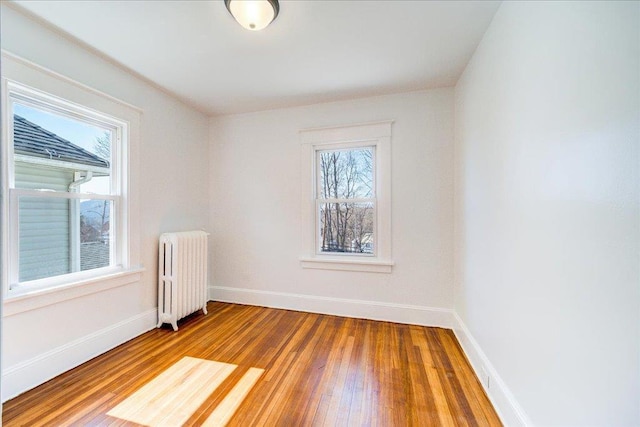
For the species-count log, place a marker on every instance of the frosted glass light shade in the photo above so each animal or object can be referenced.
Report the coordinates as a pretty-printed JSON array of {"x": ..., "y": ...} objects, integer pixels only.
[{"x": 253, "y": 15}]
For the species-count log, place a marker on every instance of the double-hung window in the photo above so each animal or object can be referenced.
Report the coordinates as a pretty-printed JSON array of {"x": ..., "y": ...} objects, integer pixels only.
[
  {"x": 346, "y": 210},
  {"x": 346, "y": 200},
  {"x": 65, "y": 206}
]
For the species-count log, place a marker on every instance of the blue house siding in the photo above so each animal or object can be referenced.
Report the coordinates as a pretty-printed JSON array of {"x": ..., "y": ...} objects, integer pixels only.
[{"x": 44, "y": 223}]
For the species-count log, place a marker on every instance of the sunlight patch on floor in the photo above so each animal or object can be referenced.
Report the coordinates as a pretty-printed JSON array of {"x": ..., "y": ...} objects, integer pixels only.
[
  {"x": 225, "y": 410},
  {"x": 173, "y": 396}
]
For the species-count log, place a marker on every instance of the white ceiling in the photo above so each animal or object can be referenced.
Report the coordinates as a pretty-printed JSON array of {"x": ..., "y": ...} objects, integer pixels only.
[{"x": 314, "y": 51}]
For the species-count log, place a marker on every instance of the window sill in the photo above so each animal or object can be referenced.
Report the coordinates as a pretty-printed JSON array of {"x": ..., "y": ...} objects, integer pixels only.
[
  {"x": 19, "y": 301},
  {"x": 369, "y": 265}
]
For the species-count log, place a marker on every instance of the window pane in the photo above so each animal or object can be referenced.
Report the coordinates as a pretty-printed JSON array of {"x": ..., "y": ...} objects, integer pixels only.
[
  {"x": 346, "y": 174},
  {"x": 95, "y": 232},
  {"x": 57, "y": 153},
  {"x": 346, "y": 227},
  {"x": 44, "y": 238},
  {"x": 60, "y": 236}
]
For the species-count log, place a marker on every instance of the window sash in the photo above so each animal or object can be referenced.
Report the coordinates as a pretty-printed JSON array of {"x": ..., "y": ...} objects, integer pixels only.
[
  {"x": 318, "y": 227},
  {"x": 50, "y": 104},
  {"x": 115, "y": 233},
  {"x": 319, "y": 150}
]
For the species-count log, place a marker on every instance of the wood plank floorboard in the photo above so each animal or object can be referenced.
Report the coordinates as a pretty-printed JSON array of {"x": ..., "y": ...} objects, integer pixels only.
[{"x": 291, "y": 369}]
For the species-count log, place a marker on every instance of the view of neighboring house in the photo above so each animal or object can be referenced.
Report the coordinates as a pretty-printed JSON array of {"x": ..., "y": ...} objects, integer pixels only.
[{"x": 57, "y": 235}]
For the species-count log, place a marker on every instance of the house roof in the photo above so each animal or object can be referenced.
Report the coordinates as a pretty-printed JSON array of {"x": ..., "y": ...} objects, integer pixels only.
[{"x": 32, "y": 140}]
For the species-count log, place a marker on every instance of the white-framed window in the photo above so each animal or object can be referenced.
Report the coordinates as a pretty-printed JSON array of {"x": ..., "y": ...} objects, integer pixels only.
[
  {"x": 346, "y": 200},
  {"x": 65, "y": 195},
  {"x": 347, "y": 204},
  {"x": 68, "y": 211}
]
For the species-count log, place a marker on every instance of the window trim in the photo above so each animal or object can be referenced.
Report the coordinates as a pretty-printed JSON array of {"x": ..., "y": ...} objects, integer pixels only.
[
  {"x": 31, "y": 299},
  {"x": 378, "y": 135},
  {"x": 32, "y": 77}
]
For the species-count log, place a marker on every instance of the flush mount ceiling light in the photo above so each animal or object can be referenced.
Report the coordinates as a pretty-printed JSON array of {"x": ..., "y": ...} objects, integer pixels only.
[{"x": 253, "y": 15}]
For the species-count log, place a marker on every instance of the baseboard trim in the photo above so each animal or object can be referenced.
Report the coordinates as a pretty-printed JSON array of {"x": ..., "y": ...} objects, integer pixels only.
[
  {"x": 26, "y": 375},
  {"x": 505, "y": 404},
  {"x": 374, "y": 310}
]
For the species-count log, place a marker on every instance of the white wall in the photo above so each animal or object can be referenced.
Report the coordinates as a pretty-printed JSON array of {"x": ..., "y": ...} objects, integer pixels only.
[
  {"x": 547, "y": 231},
  {"x": 256, "y": 181},
  {"x": 173, "y": 195}
]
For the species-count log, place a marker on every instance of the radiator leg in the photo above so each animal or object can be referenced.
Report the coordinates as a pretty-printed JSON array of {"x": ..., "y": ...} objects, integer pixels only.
[
  {"x": 175, "y": 325},
  {"x": 204, "y": 309},
  {"x": 160, "y": 322}
]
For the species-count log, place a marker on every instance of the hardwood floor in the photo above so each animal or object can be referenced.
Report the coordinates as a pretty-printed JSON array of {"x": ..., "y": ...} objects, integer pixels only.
[{"x": 253, "y": 366}]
